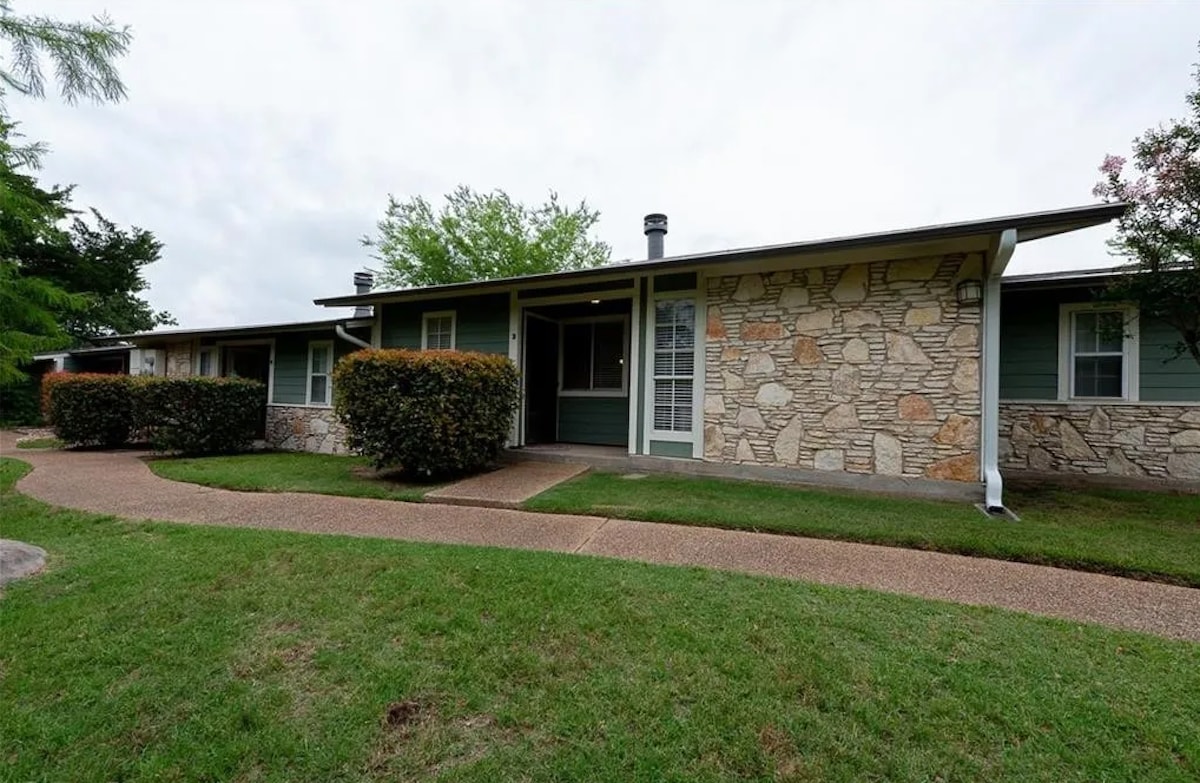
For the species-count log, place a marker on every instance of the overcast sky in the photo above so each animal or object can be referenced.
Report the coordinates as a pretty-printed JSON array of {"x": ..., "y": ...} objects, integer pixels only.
[{"x": 261, "y": 137}]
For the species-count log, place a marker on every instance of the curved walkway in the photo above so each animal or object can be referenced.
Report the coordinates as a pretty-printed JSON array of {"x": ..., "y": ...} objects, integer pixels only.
[{"x": 119, "y": 483}]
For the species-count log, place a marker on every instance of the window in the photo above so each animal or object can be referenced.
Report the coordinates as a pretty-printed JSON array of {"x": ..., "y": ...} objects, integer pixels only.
[
  {"x": 1098, "y": 352},
  {"x": 206, "y": 362},
  {"x": 320, "y": 362},
  {"x": 674, "y": 364},
  {"x": 593, "y": 357},
  {"x": 437, "y": 331}
]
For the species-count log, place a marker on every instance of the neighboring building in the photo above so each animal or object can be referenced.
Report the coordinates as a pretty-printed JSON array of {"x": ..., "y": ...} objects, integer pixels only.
[
  {"x": 1089, "y": 387},
  {"x": 869, "y": 360}
]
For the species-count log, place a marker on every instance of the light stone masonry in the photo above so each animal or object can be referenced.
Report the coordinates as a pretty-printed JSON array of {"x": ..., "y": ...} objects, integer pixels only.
[
  {"x": 866, "y": 368},
  {"x": 305, "y": 429},
  {"x": 1130, "y": 440},
  {"x": 179, "y": 360}
]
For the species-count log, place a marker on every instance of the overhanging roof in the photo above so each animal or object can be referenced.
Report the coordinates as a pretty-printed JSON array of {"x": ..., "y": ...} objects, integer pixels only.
[
  {"x": 241, "y": 331},
  {"x": 1029, "y": 226},
  {"x": 1061, "y": 278}
]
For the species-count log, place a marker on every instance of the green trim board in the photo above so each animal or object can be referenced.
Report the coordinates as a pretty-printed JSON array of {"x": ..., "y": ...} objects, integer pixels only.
[{"x": 1029, "y": 333}]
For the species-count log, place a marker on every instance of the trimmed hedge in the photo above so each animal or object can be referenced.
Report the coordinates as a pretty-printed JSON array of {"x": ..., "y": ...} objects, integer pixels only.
[
  {"x": 89, "y": 409},
  {"x": 199, "y": 415},
  {"x": 433, "y": 414},
  {"x": 186, "y": 415}
]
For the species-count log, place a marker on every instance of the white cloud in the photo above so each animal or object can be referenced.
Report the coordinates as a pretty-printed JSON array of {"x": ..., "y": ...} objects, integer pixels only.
[{"x": 261, "y": 138}]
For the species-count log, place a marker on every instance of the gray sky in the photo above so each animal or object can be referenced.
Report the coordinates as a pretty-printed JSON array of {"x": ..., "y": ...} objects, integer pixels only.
[{"x": 261, "y": 137}]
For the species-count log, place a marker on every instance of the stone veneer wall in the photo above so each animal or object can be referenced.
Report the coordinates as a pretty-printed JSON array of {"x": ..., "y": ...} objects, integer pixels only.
[
  {"x": 1132, "y": 440},
  {"x": 868, "y": 368},
  {"x": 179, "y": 359},
  {"x": 292, "y": 428}
]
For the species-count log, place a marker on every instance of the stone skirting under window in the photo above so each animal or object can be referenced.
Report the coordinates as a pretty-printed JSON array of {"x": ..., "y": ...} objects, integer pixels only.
[
  {"x": 870, "y": 369},
  {"x": 293, "y": 428},
  {"x": 1126, "y": 440}
]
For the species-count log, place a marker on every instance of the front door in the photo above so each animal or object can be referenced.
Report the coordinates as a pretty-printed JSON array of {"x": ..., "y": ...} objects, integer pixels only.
[
  {"x": 253, "y": 362},
  {"x": 541, "y": 380}
]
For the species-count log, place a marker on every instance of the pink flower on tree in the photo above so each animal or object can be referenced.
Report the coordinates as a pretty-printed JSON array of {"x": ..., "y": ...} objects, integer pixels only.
[{"x": 1112, "y": 165}]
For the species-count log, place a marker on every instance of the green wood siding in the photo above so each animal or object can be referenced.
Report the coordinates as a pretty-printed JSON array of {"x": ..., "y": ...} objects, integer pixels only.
[
  {"x": 481, "y": 322},
  {"x": 290, "y": 382},
  {"x": 670, "y": 448},
  {"x": 601, "y": 421},
  {"x": 1166, "y": 379},
  {"x": 1029, "y": 345},
  {"x": 1029, "y": 350}
]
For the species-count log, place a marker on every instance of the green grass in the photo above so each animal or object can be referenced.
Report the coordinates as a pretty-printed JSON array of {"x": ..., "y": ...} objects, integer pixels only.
[
  {"x": 325, "y": 474},
  {"x": 40, "y": 443},
  {"x": 151, "y": 651},
  {"x": 1139, "y": 534}
]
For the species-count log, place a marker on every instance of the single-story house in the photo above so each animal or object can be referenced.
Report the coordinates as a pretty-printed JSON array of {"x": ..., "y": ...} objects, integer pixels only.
[
  {"x": 1089, "y": 387},
  {"x": 883, "y": 360}
]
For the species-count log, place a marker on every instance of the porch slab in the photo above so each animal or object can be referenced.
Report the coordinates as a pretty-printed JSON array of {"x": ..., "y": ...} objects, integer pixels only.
[{"x": 507, "y": 487}]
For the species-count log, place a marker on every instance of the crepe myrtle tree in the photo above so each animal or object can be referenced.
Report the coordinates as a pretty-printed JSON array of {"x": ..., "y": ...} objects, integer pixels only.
[
  {"x": 482, "y": 236},
  {"x": 1159, "y": 234}
]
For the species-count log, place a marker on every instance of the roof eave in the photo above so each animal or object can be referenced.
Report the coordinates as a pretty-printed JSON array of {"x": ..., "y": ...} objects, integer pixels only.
[{"x": 1029, "y": 227}]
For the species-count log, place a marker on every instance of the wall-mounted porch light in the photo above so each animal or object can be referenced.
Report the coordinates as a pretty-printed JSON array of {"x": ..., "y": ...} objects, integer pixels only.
[{"x": 969, "y": 293}]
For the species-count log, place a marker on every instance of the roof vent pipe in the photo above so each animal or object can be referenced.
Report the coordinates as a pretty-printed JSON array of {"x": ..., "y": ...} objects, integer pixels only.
[
  {"x": 655, "y": 228},
  {"x": 363, "y": 282}
]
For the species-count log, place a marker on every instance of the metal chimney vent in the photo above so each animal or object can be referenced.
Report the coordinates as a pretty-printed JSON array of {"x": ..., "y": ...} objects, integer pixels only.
[
  {"x": 363, "y": 282},
  {"x": 654, "y": 226}
]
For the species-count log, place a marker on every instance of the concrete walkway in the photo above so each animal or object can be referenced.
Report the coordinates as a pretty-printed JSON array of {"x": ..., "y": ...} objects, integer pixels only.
[
  {"x": 120, "y": 483},
  {"x": 507, "y": 487}
]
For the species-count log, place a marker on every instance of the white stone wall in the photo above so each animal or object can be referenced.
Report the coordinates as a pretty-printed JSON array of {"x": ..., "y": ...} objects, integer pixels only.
[
  {"x": 305, "y": 429},
  {"x": 1130, "y": 440},
  {"x": 869, "y": 368},
  {"x": 179, "y": 359}
]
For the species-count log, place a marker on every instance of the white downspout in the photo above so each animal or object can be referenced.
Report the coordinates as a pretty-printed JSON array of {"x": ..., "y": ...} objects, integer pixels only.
[
  {"x": 342, "y": 333},
  {"x": 993, "y": 483}
]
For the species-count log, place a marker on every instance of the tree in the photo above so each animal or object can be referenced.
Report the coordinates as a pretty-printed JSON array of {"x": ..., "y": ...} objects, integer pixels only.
[
  {"x": 82, "y": 53},
  {"x": 482, "y": 236},
  {"x": 1159, "y": 234},
  {"x": 105, "y": 264}
]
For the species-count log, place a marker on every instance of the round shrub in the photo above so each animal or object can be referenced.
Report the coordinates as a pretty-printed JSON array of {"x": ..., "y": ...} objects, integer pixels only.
[
  {"x": 198, "y": 415},
  {"x": 434, "y": 414},
  {"x": 89, "y": 409}
]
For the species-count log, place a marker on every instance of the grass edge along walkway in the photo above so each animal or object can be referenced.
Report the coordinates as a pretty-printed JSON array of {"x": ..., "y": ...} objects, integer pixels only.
[
  {"x": 1141, "y": 535},
  {"x": 222, "y": 653}
]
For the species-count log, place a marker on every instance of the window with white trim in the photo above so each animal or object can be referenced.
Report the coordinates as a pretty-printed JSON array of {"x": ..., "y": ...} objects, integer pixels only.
[
  {"x": 206, "y": 362},
  {"x": 437, "y": 331},
  {"x": 593, "y": 357},
  {"x": 1099, "y": 352},
  {"x": 674, "y": 365},
  {"x": 320, "y": 364}
]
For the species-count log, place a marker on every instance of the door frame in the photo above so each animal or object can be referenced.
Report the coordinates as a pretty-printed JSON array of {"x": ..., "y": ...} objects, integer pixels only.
[
  {"x": 519, "y": 312},
  {"x": 268, "y": 341},
  {"x": 525, "y": 316}
]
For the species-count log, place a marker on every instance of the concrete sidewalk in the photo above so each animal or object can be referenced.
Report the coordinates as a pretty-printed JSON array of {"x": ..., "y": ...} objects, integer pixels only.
[
  {"x": 507, "y": 487},
  {"x": 120, "y": 483}
]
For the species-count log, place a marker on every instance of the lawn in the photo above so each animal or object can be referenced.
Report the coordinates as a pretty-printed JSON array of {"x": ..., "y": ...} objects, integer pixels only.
[
  {"x": 40, "y": 443},
  {"x": 173, "y": 652},
  {"x": 325, "y": 474},
  {"x": 1140, "y": 534}
]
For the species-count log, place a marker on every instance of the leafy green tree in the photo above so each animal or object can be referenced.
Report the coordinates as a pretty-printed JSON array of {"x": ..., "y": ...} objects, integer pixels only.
[
  {"x": 104, "y": 263},
  {"x": 482, "y": 236},
  {"x": 82, "y": 53},
  {"x": 1159, "y": 234}
]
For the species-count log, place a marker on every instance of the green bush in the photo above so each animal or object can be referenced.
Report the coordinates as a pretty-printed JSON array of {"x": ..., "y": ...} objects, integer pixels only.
[
  {"x": 186, "y": 415},
  {"x": 19, "y": 403},
  {"x": 89, "y": 409},
  {"x": 199, "y": 415},
  {"x": 434, "y": 414}
]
